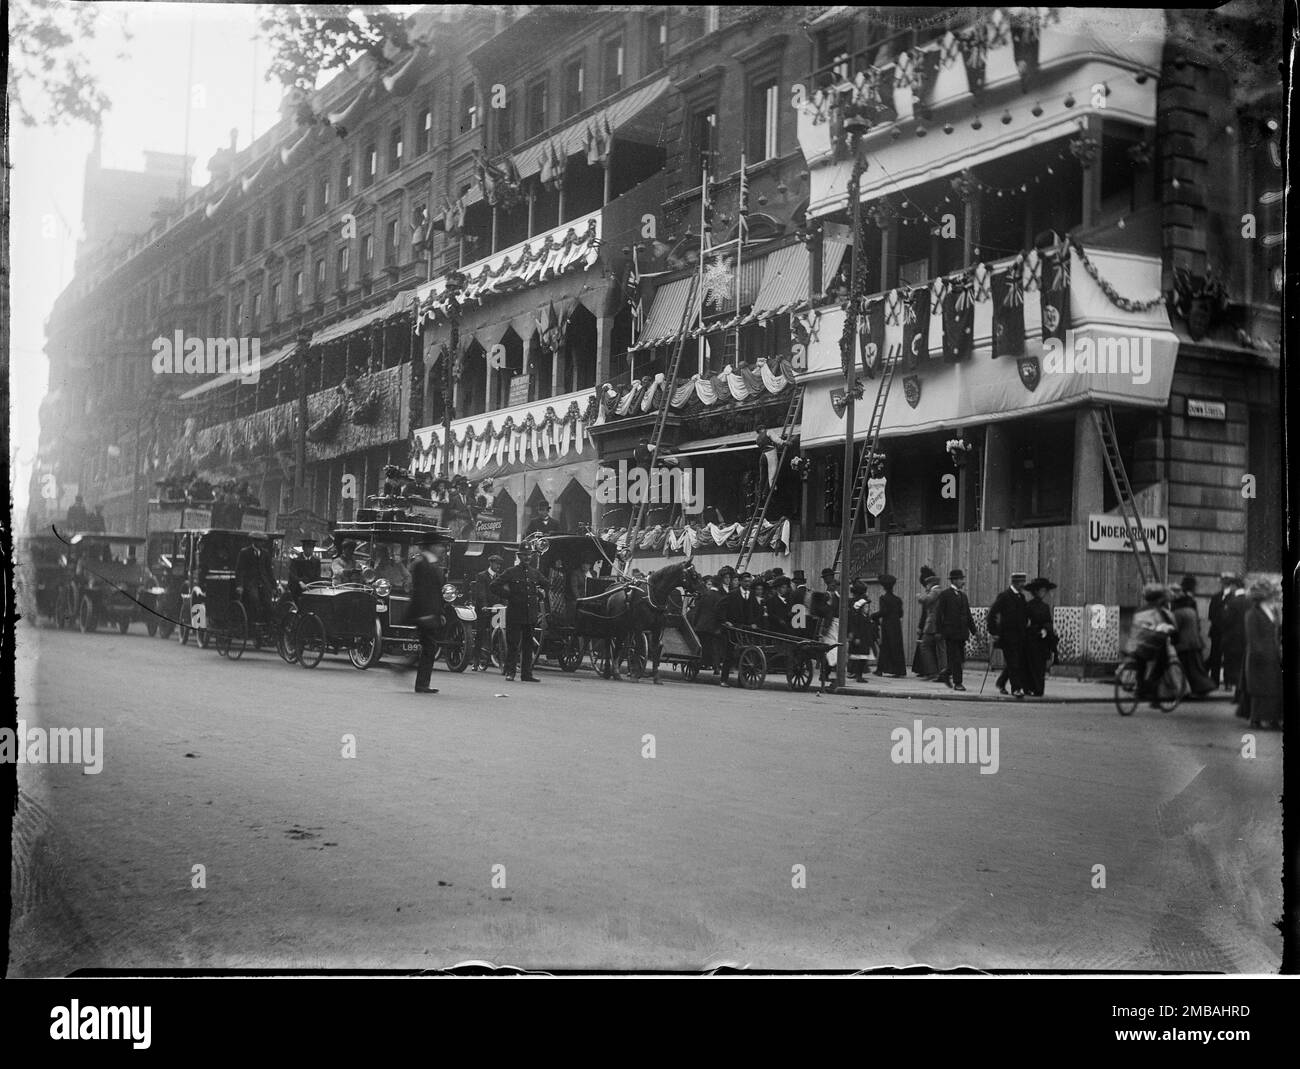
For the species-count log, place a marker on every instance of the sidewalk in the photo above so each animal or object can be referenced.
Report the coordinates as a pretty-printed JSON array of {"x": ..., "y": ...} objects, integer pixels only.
[{"x": 1059, "y": 689}]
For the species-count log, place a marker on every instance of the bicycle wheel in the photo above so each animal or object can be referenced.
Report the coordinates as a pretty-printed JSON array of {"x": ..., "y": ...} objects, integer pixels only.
[
  {"x": 309, "y": 640},
  {"x": 286, "y": 642},
  {"x": 1126, "y": 688},
  {"x": 236, "y": 632},
  {"x": 1172, "y": 688}
]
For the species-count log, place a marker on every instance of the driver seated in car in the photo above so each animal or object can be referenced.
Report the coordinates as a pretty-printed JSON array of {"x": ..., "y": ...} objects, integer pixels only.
[
  {"x": 345, "y": 568},
  {"x": 385, "y": 567}
]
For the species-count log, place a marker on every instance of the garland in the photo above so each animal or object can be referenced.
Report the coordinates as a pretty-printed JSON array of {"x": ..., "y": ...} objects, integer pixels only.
[{"x": 1127, "y": 304}]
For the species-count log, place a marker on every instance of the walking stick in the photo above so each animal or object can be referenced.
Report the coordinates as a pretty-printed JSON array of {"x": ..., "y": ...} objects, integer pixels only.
[{"x": 988, "y": 665}]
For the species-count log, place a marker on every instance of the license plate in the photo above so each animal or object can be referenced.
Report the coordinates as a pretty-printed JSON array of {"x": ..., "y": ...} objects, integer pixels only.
[{"x": 410, "y": 647}]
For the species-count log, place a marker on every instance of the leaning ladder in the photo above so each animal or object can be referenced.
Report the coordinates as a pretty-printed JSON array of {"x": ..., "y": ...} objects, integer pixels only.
[
  {"x": 755, "y": 523},
  {"x": 1146, "y": 562},
  {"x": 863, "y": 472}
]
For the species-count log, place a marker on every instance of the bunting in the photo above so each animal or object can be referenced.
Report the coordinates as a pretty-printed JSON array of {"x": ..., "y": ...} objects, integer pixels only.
[{"x": 1008, "y": 312}]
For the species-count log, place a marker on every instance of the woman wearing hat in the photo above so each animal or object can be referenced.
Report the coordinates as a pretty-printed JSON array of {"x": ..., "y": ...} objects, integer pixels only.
[
  {"x": 862, "y": 628},
  {"x": 1187, "y": 641},
  {"x": 928, "y": 659},
  {"x": 1261, "y": 674},
  {"x": 1041, "y": 639},
  {"x": 889, "y": 618}
]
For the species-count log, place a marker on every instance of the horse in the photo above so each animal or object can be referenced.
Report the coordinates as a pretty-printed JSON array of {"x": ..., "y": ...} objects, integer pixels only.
[{"x": 624, "y": 611}]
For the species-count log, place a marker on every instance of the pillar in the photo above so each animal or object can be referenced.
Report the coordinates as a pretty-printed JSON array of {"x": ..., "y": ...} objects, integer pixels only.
[
  {"x": 999, "y": 479},
  {"x": 1089, "y": 468}
]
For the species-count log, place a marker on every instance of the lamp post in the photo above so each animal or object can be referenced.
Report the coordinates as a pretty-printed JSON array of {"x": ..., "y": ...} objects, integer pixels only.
[
  {"x": 855, "y": 125},
  {"x": 455, "y": 283}
]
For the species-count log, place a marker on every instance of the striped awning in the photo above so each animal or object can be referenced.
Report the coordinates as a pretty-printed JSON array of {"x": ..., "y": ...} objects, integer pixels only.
[
  {"x": 572, "y": 139},
  {"x": 218, "y": 381},
  {"x": 785, "y": 279},
  {"x": 664, "y": 321}
]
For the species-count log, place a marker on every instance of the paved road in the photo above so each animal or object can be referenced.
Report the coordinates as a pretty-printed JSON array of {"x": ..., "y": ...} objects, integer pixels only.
[{"x": 683, "y": 860}]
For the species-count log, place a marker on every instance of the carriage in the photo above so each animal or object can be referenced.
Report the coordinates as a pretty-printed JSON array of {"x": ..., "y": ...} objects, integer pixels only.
[
  {"x": 757, "y": 652},
  {"x": 681, "y": 645},
  {"x": 196, "y": 567},
  {"x": 565, "y": 560},
  {"x": 104, "y": 582},
  {"x": 366, "y": 620}
]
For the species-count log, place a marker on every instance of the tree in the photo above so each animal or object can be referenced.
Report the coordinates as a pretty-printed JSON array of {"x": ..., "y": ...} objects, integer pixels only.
[
  {"x": 307, "y": 42},
  {"x": 50, "y": 79}
]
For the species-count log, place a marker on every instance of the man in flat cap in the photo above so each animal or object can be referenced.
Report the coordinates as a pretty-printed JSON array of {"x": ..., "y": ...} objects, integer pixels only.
[{"x": 1007, "y": 626}]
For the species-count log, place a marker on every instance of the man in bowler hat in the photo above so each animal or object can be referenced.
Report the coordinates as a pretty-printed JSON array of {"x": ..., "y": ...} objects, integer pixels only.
[
  {"x": 1007, "y": 623},
  {"x": 426, "y": 611},
  {"x": 954, "y": 624}
]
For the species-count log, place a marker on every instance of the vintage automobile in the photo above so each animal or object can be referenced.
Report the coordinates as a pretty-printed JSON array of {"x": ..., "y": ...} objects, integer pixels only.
[
  {"x": 107, "y": 582},
  {"x": 42, "y": 572},
  {"x": 368, "y": 630}
]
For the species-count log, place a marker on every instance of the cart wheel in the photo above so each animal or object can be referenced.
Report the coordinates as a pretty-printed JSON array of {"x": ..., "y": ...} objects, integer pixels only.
[
  {"x": 236, "y": 632},
  {"x": 286, "y": 642},
  {"x": 86, "y": 621},
  {"x": 1172, "y": 687},
  {"x": 603, "y": 651},
  {"x": 691, "y": 670},
  {"x": 1126, "y": 688},
  {"x": 457, "y": 649},
  {"x": 800, "y": 673},
  {"x": 366, "y": 653},
  {"x": 309, "y": 640},
  {"x": 570, "y": 656},
  {"x": 634, "y": 655},
  {"x": 123, "y": 626},
  {"x": 752, "y": 669}
]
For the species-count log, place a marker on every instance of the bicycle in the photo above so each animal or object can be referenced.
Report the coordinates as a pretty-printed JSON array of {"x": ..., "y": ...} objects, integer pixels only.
[{"x": 1170, "y": 689}]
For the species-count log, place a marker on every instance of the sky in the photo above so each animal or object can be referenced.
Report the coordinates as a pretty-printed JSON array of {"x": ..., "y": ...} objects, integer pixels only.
[{"x": 148, "y": 90}]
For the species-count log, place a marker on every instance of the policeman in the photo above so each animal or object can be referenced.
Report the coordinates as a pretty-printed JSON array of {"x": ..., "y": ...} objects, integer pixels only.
[{"x": 521, "y": 588}]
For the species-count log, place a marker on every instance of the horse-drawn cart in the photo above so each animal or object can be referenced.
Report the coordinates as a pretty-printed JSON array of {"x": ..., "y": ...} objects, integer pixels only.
[{"x": 757, "y": 652}]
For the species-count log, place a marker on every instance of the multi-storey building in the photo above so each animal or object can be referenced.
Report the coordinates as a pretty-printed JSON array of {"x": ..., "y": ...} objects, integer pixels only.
[{"x": 1037, "y": 185}]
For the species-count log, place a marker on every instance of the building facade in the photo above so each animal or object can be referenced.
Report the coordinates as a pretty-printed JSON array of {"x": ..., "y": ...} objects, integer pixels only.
[{"x": 1059, "y": 215}]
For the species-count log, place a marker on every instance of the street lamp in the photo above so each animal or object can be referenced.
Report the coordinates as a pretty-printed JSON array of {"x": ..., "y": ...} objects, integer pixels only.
[
  {"x": 455, "y": 283},
  {"x": 855, "y": 125}
]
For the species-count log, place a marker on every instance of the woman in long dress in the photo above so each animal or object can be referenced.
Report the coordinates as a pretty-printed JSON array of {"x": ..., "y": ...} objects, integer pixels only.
[
  {"x": 924, "y": 662},
  {"x": 1187, "y": 643},
  {"x": 1041, "y": 640},
  {"x": 1261, "y": 671},
  {"x": 889, "y": 617}
]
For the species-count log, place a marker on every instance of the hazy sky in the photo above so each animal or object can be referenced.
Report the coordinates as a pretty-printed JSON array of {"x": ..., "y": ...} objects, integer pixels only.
[{"x": 148, "y": 90}]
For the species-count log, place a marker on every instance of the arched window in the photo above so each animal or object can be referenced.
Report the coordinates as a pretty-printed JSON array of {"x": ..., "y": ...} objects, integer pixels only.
[
  {"x": 580, "y": 351},
  {"x": 471, "y": 391},
  {"x": 514, "y": 365},
  {"x": 541, "y": 361}
]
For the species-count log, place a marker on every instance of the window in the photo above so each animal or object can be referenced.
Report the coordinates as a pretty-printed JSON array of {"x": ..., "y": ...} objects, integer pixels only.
[
  {"x": 656, "y": 42},
  {"x": 320, "y": 277},
  {"x": 394, "y": 149},
  {"x": 275, "y": 303},
  {"x": 257, "y": 311},
  {"x": 536, "y": 108},
  {"x": 300, "y": 209},
  {"x": 219, "y": 259},
  {"x": 468, "y": 110},
  {"x": 611, "y": 65},
  {"x": 424, "y": 132},
  {"x": 367, "y": 255},
  {"x": 236, "y": 317},
  {"x": 761, "y": 111},
  {"x": 277, "y": 218},
  {"x": 391, "y": 248},
  {"x": 297, "y": 290},
  {"x": 259, "y": 233},
  {"x": 703, "y": 145},
  {"x": 369, "y": 166},
  {"x": 345, "y": 178},
  {"x": 572, "y": 91},
  {"x": 241, "y": 247},
  {"x": 504, "y": 123},
  {"x": 712, "y": 18},
  {"x": 341, "y": 267}
]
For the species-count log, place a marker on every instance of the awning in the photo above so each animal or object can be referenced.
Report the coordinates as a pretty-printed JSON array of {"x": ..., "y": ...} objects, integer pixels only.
[
  {"x": 573, "y": 138},
  {"x": 234, "y": 376},
  {"x": 664, "y": 322},
  {"x": 399, "y": 304},
  {"x": 785, "y": 279}
]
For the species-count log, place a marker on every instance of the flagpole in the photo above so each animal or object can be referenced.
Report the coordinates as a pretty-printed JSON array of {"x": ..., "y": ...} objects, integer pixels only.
[
  {"x": 741, "y": 210},
  {"x": 704, "y": 246}
]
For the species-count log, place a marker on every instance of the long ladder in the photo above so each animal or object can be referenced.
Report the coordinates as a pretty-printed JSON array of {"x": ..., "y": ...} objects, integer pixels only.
[
  {"x": 756, "y": 518},
  {"x": 661, "y": 418},
  {"x": 863, "y": 472},
  {"x": 1146, "y": 561}
]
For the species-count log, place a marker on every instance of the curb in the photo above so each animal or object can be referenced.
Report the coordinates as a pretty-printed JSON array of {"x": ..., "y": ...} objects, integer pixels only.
[{"x": 972, "y": 696}]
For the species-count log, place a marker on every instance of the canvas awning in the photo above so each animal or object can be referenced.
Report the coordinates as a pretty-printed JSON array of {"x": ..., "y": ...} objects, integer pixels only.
[
  {"x": 664, "y": 321},
  {"x": 785, "y": 278},
  {"x": 572, "y": 139},
  {"x": 234, "y": 376}
]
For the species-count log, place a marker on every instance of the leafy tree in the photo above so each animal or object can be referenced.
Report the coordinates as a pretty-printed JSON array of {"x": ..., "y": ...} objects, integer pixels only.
[
  {"x": 307, "y": 42},
  {"x": 50, "y": 76}
]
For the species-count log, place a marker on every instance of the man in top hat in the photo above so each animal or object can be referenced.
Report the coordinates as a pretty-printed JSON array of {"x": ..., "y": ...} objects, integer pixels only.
[
  {"x": 1227, "y": 583},
  {"x": 522, "y": 589},
  {"x": 889, "y": 620},
  {"x": 483, "y": 601},
  {"x": 427, "y": 610},
  {"x": 1041, "y": 640},
  {"x": 543, "y": 524},
  {"x": 953, "y": 623},
  {"x": 706, "y": 618},
  {"x": 303, "y": 569},
  {"x": 1007, "y": 623}
]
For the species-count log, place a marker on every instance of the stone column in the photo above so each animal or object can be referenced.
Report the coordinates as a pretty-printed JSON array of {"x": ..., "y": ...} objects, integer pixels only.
[{"x": 1089, "y": 468}]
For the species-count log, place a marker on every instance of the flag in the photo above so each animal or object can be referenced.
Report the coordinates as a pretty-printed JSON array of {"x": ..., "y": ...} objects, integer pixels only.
[
  {"x": 916, "y": 325},
  {"x": 1054, "y": 288},
  {"x": 632, "y": 288},
  {"x": 958, "y": 321},
  {"x": 872, "y": 330},
  {"x": 1008, "y": 312}
]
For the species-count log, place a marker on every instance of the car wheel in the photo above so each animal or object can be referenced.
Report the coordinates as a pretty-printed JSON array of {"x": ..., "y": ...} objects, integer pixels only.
[
  {"x": 86, "y": 621},
  {"x": 367, "y": 653},
  {"x": 309, "y": 640},
  {"x": 456, "y": 651}
]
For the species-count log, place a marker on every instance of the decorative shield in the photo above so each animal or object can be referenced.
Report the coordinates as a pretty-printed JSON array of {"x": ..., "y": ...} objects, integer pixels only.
[
  {"x": 1030, "y": 373},
  {"x": 839, "y": 401},
  {"x": 912, "y": 389},
  {"x": 875, "y": 496}
]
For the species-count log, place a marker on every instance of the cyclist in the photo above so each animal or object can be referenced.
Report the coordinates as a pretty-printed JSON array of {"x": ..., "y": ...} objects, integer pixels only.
[{"x": 1149, "y": 639}]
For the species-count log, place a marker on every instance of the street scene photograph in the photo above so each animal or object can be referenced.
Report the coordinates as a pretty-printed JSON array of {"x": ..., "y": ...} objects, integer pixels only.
[{"x": 623, "y": 489}]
